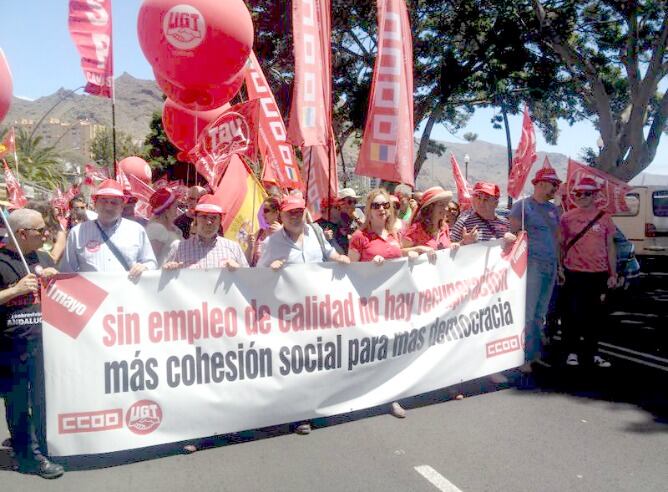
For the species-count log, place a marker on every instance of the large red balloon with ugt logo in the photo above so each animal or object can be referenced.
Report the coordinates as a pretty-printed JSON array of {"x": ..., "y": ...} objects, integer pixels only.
[
  {"x": 182, "y": 125},
  {"x": 195, "y": 43},
  {"x": 6, "y": 86}
]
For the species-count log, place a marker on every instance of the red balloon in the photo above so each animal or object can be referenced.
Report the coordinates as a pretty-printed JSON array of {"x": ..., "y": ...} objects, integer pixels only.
[
  {"x": 180, "y": 123},
  {"x": 195, "y": 43},
  {"x": 136, "y": 166},
  {"x": 203, "y": 98},
  {"x": 6, "y": 86}
]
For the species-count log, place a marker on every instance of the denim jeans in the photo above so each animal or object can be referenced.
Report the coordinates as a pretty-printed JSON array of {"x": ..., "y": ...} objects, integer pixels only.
[{"x": 541, "y": 277}]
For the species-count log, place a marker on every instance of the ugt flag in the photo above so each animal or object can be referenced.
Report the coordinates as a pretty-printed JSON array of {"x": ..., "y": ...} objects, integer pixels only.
[{"x": 610, "y": 198}]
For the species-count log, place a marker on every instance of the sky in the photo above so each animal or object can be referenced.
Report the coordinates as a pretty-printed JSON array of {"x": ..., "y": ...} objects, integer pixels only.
[{"x": 42, "y": 58}]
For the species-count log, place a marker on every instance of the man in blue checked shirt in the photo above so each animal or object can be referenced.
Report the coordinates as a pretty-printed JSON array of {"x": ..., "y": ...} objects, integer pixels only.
[{"x": 110, "y": 243}]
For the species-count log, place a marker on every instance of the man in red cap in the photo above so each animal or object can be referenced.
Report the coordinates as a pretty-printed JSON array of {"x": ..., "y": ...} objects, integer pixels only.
[
  {"x": 297, "y": 242},
  {"x": 589, "y": 268},
  {"x": 205, "y": 248},
  {"x": 110, "y": 243},
  {"x": 540, "y": 218},
  {"x": 481, "y": 222},
  {"x": 185, "y": 220}
]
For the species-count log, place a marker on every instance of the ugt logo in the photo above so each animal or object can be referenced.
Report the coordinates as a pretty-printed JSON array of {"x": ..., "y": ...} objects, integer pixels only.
[
  {"x": 143, "y": 417},
  {"x": 184, "y": 27}
]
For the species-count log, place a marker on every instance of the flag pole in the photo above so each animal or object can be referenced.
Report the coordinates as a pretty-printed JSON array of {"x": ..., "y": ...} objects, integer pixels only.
[{"x": 13, "y": 238}]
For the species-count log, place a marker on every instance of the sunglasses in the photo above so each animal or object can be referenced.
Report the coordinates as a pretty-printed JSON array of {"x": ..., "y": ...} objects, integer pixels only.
[
  {"x": 378, "y": 206},
  {"x": 350, "y": 201},
  {"x": 268, "y": 210},
  {"x": 580, "y": 194},
  {"x": 41, "y": 230}
]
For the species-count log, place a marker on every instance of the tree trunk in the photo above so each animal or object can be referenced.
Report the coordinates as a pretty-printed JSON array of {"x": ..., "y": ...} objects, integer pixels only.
[{"x": 434, "y": 116}]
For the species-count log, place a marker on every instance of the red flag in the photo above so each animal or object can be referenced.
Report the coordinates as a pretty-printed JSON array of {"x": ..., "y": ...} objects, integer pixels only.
[
  {"x": 280, "y": 164},
  {"x": 309, "y": 116},
  {"x": 524, "y": 157},
  {"x": 463, "y": 188},
  {"x": 321, "y": 177},
  {"x": 15, "y": 194},
  {"x": 233, "y": 132},
  {"x": 142, "y": 192},
  {"x": 547, "y": 164},
  {"x": 611, "y": 197},
  {"x": 122, "y": 178},
  {"x": 95, "y": 173},
  {"x": 8, "y": 144},
  {"x": 387, "y": 146},
  {"x": 90, "y": 28}
]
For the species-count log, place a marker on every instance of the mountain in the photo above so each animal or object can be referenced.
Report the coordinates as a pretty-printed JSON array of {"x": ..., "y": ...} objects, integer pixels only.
[{"x": 137, "y": 99}]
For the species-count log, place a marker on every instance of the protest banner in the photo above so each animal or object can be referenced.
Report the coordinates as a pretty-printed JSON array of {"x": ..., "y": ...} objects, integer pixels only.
[{"x": 187, "y": 354}]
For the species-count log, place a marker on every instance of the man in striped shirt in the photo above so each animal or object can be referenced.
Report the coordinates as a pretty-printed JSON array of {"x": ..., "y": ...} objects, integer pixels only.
[
  {"x": 110, "y": 243},
  {"x": 205, "y": 248},
  {"x": 481, "y": 222}
]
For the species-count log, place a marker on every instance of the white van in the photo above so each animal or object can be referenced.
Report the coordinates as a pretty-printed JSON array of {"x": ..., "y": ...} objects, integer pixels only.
[{"x": 646, "y": 224}]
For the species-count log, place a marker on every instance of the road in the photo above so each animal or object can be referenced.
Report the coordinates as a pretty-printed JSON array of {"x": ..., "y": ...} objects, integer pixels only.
[{"x": 564, "y": 429}]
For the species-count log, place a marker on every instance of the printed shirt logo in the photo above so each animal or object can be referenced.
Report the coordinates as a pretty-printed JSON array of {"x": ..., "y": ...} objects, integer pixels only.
[
  {"x": 143, "y": 417},
  {"x": 93, "y": 246},
  {"x": 184, "y": 27},
  {"x": 70, "y": 302}
]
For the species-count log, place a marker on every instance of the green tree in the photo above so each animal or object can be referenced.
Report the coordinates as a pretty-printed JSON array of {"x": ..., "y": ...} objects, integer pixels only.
[
  {"x": 614, "y": 55},
  {"x": 159, "y": 152},
  {"x": 101, "y": 148}
]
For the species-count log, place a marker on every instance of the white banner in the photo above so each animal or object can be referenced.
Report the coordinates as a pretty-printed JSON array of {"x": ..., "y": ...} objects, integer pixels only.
[{"x": 189, "y": 354}]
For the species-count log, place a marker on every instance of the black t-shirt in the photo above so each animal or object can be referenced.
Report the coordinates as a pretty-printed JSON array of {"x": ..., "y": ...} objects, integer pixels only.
[{"x": 21, "y": 317}]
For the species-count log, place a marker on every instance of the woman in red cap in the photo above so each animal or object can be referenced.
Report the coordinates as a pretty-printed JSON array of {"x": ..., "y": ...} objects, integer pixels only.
[
  {"x": 588, "y": 267},
  {"x": 377, "y": 241},
  {"x": 161, "y": 229},
  {"x": 429, "y": 230}
]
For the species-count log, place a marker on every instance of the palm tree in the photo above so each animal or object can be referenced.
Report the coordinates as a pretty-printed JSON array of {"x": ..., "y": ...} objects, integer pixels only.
[{"x": 38, "y": 163}]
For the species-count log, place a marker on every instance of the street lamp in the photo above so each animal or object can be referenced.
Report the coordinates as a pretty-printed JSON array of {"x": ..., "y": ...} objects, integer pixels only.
[{"x": 467, "y": 158}]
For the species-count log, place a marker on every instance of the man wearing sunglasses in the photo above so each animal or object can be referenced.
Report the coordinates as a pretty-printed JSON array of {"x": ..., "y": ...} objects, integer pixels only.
[
  {"x": 481, "y": 222},
  {"x": 589, "y": 268},
  {"x": 21, "y": 341},
  {"x": 540, "y": 218}
]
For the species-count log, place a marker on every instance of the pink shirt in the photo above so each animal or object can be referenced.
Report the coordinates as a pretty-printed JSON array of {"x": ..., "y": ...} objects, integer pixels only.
[
  {"x": 369, "y": 244},
  {"x": 420, "y": 237},
  {"x": 590, "y": 253}
]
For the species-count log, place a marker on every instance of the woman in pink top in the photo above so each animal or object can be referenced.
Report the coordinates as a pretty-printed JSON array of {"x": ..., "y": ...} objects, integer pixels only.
[
  {"x": 588, "y": 268},
  {"x": 377, "y": 241}
]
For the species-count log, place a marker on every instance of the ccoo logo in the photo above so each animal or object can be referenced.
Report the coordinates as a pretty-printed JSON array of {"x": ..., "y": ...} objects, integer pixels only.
[
  {"x": 184, "y": 27},
  {"x": 143, "y": 417}
]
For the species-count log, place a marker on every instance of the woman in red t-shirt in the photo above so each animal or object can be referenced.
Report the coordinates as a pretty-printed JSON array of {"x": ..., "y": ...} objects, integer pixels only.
[
  {"x": 377, "y": 241},
  {"x": 588, "y": 267},
  {"x": 429, "y": 230}
]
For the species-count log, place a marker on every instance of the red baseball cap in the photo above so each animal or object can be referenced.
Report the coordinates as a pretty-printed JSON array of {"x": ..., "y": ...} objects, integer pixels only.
[
  {"x": 292, "y": 202},
  {"x": 491, "y": 189},
  {"x": 110, "y": 188},
  {"x": 546, "y": 174},
  {"x": 587, "y": 184},
  {"x": 209, "y": 204}
]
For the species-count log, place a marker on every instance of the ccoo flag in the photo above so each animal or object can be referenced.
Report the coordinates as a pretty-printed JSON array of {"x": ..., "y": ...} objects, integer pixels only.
[
  {"x": 463, "y": 188},
  {"x": 90, "y": 28},
  {"x": 387, "y": 145}
]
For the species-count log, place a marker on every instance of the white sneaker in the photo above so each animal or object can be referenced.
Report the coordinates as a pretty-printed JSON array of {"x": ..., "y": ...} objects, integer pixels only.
[
  {"x": 572, "y": 360},
  {"x": 397, "y": 410},
  {"x": 601, "y": 362}
]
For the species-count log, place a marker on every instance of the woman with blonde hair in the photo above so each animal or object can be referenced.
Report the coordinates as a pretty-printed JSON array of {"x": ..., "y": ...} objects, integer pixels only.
[{"x": 377, "y": 241}]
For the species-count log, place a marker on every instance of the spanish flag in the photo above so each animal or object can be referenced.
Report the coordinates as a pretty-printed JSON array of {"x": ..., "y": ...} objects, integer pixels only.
[{"x": 241, "y": 196}]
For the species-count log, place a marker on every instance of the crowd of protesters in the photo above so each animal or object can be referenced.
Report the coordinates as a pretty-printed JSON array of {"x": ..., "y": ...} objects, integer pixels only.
[{"x": 574, "y": 248}]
